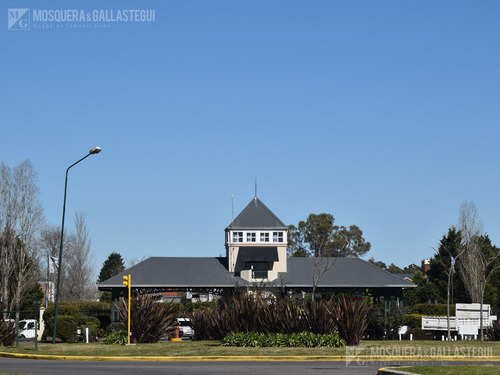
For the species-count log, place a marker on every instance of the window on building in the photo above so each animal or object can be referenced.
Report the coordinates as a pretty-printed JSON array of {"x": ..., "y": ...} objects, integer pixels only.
[
  {"x": 237, "y": 236},
  {"x": 251, "y": 237},
  {"x": 264, "y": 237},
  {"x": 277, "y": 236}
]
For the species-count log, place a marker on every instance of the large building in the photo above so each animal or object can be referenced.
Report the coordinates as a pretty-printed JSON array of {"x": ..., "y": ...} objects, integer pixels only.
[{"x": 256, "y": 256}]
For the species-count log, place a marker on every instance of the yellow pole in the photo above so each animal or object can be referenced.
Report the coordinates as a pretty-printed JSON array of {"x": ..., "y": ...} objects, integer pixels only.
[{"x": 129, "y": 295}]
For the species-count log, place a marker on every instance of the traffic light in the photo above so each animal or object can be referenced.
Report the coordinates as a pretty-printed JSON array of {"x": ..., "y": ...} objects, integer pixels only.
[{"x": 126, "y": 280}]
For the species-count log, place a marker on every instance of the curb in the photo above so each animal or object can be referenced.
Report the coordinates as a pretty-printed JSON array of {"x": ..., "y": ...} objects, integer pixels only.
[
  {"x": 392, "y": 371},
  {"x": 240, "y": 358},
  {"x": 175, "y": 358}
]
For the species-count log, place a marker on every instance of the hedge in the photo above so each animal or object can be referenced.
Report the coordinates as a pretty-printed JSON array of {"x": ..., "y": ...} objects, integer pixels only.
[
  {"x": 304, "y": 339},
  {"x": 432, "y": 309},
  {"x": 70, "y": 318},
  {"x": 413, "y": 320},
  {"x": 418, "y": 334},
  {"x": 182, "y": 309}
]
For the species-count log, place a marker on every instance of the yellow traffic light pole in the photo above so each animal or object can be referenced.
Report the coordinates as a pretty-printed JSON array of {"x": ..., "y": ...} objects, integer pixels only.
[{"x": 128, "y": 282}]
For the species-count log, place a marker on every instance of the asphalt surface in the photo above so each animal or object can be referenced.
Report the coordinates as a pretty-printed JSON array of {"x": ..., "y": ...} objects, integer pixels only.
[
  {"x": 47, "y": 367},
  {"x": 44, "y": 367}
]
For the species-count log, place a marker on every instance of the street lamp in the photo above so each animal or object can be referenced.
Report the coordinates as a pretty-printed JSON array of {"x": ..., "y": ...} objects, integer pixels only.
[{"x": 93, "y": 151}]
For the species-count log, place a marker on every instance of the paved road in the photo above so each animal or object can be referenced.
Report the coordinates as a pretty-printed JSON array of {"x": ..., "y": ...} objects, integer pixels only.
[{"x": 45, "y": 367}]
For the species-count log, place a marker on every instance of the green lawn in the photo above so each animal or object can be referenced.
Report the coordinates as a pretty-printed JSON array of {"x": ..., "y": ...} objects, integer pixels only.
[
  {"x": 453, "y": 370},
  {"x": 213, "y": 348}
]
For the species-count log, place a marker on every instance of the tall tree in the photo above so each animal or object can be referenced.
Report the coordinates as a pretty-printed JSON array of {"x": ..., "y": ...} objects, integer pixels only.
[
  {"x": 7, "y": 235},
  {"x": 78, "y": 283},
  {"x": 112, "y": 266},
  {"x": 448, "y": 257},
  {"x": 50, "y": 240},
  {"x": 440, "y": 264},
  {"x": 477, "y": 265},
  {"x": 21, "y": 218},
  {"x": 320, "y": 237}
]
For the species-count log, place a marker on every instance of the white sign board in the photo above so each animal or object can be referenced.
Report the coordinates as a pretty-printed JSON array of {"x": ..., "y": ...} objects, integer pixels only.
[{"x": 468, "y": 330}]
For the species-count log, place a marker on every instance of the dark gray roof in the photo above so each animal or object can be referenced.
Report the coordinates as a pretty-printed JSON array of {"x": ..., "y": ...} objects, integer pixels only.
[
  {"x": 256, "y": 215},
  {"x": 344, "y": 273},
  {"x": 164, "y": 272},
  {"x": 258, "y": 254}
]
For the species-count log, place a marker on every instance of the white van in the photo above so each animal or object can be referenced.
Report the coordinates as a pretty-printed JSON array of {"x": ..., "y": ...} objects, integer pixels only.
[{"x": 27, "y": 328}]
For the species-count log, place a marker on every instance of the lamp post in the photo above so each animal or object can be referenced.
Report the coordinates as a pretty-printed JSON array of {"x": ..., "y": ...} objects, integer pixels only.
[{"x": 94, "y": 151}]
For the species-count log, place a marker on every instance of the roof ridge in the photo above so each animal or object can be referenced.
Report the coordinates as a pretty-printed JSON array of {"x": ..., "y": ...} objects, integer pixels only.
[
  {"x": 269, "y": 210},
  {"x": 387, "y": 272},
  {"x": 250, "y": 214}
]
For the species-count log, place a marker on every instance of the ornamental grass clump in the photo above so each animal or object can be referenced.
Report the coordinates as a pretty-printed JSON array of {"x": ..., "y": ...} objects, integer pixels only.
[
  {"x": 253, "y": 313},
  {"x": 7, "y": 332},
  {"x": 149, "y": 320},
  {"x": 350, "y": 318}
]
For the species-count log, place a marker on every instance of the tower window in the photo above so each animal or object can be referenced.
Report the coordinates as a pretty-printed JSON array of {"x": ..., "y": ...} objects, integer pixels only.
[
  {"x": 251, "y": 237},
  {"x": 264, "y": 237},
  {"x": 237, "y": 236},
  {"x": 277, "y": 236}
]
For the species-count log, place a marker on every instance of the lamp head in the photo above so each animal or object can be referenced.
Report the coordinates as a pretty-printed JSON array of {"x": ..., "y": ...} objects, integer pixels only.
[{"x": 95, "y": 150}]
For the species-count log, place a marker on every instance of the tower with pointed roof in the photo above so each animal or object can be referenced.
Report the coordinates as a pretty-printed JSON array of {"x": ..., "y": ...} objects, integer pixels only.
[{"x": 256, "y": 243}]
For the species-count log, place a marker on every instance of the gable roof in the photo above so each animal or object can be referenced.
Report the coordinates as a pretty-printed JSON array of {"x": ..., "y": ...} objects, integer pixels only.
[
  {"x": 177, "y": 272},
  {"x": 344, "y": 273},
  {"x": 256, "y": 215},
  {"x": 166, "y": 272}
]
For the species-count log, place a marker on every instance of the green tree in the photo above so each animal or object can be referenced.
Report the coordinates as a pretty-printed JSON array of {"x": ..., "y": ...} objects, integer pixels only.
[
  {"x": 425, "y": 292},
  {"x": 449, "y": 246},
  {"x": 378, "y": 263},
  {"x": 112, "y": 266},
  {"x": 34, "y": 298},
  {"x": 319, "y": 236}
]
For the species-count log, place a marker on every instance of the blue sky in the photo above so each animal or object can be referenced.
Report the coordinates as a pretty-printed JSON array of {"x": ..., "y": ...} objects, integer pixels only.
[{"x": 385, "y": 114}]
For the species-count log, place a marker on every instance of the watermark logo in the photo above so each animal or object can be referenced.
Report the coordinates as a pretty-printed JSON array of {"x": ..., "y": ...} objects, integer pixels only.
[
  {"x": 34, "y": 18},
  {"x": 354, "y": 356},
  {"x": 18, "y": 19},
  {"x": 411, "y": 355}
]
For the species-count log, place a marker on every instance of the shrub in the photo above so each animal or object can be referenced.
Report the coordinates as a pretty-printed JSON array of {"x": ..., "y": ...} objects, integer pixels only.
[
  {"x": 375, "y": 330},
  {"x": 413, "y": 320},
  {"x": 418, "y": 334},
  {"x": 149, "y": 321},
  {"x": 66, "y": 327},
  {"x": 91, "y": 322},
  {"x": 384, "y": 324},
  {"x": 183, "y": 309},
  {"x": 7, "y": 333},
  {"x": 493, "y": 332},
  {"x": 304, "y": 339},
  {"x": 116, "y": 337},
  {"x": 350, "y": 318},
  {"x": 116, "y": 326},
  {"x": 79, "y": 310},
  {"x": 432, "y": 309}
]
